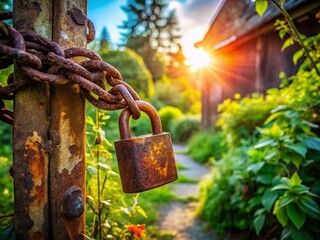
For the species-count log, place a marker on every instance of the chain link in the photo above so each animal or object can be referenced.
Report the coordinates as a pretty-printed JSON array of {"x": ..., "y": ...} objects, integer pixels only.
[{"x": 42, "y": 60}]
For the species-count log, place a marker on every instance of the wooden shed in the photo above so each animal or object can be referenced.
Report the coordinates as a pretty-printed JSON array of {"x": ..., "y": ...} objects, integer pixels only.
[{"x": 246, "y": 50}]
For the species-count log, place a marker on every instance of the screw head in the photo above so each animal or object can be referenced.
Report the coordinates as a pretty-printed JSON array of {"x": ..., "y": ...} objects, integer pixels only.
[{"x": 73, "y": 202}]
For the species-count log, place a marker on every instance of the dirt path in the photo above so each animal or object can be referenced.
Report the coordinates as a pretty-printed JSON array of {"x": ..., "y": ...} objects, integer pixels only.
[{"x": 179, "y": 217}]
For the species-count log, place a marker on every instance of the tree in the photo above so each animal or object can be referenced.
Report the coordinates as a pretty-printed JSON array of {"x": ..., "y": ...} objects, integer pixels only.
[
  {"x": 105, "y": 41},
  {"x": 151, "y": 31},
  {"x": 133, "y": 70}
]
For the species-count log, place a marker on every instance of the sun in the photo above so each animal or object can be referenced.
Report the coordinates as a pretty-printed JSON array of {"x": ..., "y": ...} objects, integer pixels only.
[{"x": 198, "y": 59}]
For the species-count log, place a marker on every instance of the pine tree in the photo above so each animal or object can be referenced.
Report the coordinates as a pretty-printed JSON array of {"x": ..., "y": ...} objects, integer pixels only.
[
  {"x": 151, "y": 31},
  {"x": 105, "y": 41}
]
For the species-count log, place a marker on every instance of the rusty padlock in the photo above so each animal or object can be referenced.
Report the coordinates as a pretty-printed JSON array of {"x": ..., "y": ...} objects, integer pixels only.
[{"x": 147, "y": 161}]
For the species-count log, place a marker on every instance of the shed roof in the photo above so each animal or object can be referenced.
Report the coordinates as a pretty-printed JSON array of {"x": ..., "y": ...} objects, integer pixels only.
[{"x": 235, "y": 18}]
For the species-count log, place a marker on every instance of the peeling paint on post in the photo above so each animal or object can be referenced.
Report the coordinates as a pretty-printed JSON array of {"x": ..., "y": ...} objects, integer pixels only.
[
  {"x": 30, "y": 160},
  {"x": 67, "y": 131}
]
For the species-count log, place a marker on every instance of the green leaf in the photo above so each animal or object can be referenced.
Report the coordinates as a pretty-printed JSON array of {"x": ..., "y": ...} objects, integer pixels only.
[
  {"x": 271, "y": 154},
  {"x": 282, "y": 33},
  {"x": 297, "y": 56},
  {"x": 255, "y": 167},
  {"x": 273, "y": 117},
  {"x": 258, "y": 223},
  {"x": 105, "y": 166},
  {"x": 92, "y": 170},
  {"x": 261, "y": 6},
  {"x": 296, "y": 215},
  {"x": 276, "y": 131},
  {"x": 285, "y": 200},
  {"x": 90, "y": 121},
  {"x": 301, "y": 234},
  {"x": 264, "y": 178},
  {"x": 310, "y": 124},
  {"x": 312, "y": 143},
  {"x": 264, "y": 143},
  {"x": 295, "y": 179},
  {"x": 287, "y": 43},
  {"x": 309, "y": 206},
  {"x": 280, "y": 108},
  {"x": 281, "y": 187},
  {"x": 285, "y": 184},
  {"x": 300, "y": 189},
  {"x": 296, "y": 160},
  {"x": 125, "y": 210},
  {"x": 106, "y": 202},
  {"x": 268, "y": 199},
  {"x": 141, "y": 211},
  {"x": 298, "y": 148},
  {"x": 282, "y": 217}
]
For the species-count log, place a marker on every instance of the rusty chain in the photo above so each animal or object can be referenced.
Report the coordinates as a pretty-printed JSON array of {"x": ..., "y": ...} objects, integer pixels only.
[{"x": 42, "y": 60}]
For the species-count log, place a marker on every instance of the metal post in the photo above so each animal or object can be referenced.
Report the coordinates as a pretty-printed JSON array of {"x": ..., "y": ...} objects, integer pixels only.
[
  {"x": 30, "y": 160},
  {"x": 67, "y": 131},
  {"x": 50, "y": 194}
]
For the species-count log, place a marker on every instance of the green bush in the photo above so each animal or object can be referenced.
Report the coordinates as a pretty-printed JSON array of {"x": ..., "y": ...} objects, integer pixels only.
[
  {"x": 132, "y": 69},
  {"x": 167, "y": 115},
  {"x": 239, "y": 118},
  {"x": 268, "y": 183},
  {"x": 183, "y": 128},
  {"x": 206, "y": 145}
]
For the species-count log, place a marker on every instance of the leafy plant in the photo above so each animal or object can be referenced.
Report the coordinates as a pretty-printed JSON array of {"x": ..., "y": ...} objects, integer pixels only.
[
  {"x": 268, "y": 180},
  {"x": 109, "y": 214},
  {"x": 167, "y": 114},
  {"x": 206, "y": 146},
  {"x": 183, "y": 128}
]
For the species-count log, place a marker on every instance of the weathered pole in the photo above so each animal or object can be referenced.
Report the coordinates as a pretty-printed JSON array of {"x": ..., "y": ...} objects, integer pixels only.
[
  {"x": 30, "y": 128},
  {"x": 67, "y": 130},
  {"x": 50, "y": 190}
]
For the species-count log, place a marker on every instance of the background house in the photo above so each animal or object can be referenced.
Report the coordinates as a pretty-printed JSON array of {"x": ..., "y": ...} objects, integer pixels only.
[{"x": 247, "y": 50}]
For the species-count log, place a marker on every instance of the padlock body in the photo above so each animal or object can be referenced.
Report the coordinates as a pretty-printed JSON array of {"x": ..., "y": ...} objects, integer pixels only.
[{"x": 145, "y": 162}]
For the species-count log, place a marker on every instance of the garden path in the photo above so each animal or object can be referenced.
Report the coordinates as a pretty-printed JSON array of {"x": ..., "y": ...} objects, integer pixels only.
[{"x": 180, "y": 216}]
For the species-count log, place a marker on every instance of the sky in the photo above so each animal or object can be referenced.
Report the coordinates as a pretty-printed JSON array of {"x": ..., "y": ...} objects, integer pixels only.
[{"x": 194, "y": 18}]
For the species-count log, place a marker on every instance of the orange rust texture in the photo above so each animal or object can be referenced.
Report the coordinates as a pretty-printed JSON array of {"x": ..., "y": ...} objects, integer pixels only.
[
  {"x": 30, "y": 161},
  {"x": 145, "y": 162},
  {"x": 67, "y": 128}
]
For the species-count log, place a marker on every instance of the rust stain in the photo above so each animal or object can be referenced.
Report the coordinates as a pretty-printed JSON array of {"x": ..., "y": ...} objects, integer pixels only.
[
  {"x": 37, "y": 174},
  {"x": 69, "y": 152},
  {"x": 145, "y": 162}
]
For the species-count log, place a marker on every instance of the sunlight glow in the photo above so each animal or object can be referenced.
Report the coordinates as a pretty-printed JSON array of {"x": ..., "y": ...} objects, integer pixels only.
[{"x": 199, "y": 59}]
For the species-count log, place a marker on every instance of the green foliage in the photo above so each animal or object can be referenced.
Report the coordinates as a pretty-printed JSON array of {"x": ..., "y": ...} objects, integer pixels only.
[
  {"x": 261, "y": 6},
  {"x": 167, "y": 115},
  {"x": 268, "y": 178},
  {"x": 180, "y": 93},
  {"x": 205, "y": 146},
  {"x": 133, "y": 70},
  {"x": 239, "y": 118},
  {"x": 141, "y": 126},
  {"x": 183, "y": 128},
  {"x": 152, "y": 20},
  {"x": 151, "y": 30},
  {"x": 6, "y": 182},
  {"x": 167, "y": 92},
  {"x": 190, "y": 101},
  {"x": 108, "y": 213}
]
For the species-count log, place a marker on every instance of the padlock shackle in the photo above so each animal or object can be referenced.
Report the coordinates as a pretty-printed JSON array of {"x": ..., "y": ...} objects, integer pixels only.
[{"x": 144, "y": 107}]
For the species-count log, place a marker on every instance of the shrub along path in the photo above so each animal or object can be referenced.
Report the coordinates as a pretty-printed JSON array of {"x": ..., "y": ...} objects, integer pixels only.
[{"x": 179, "y": 216}]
